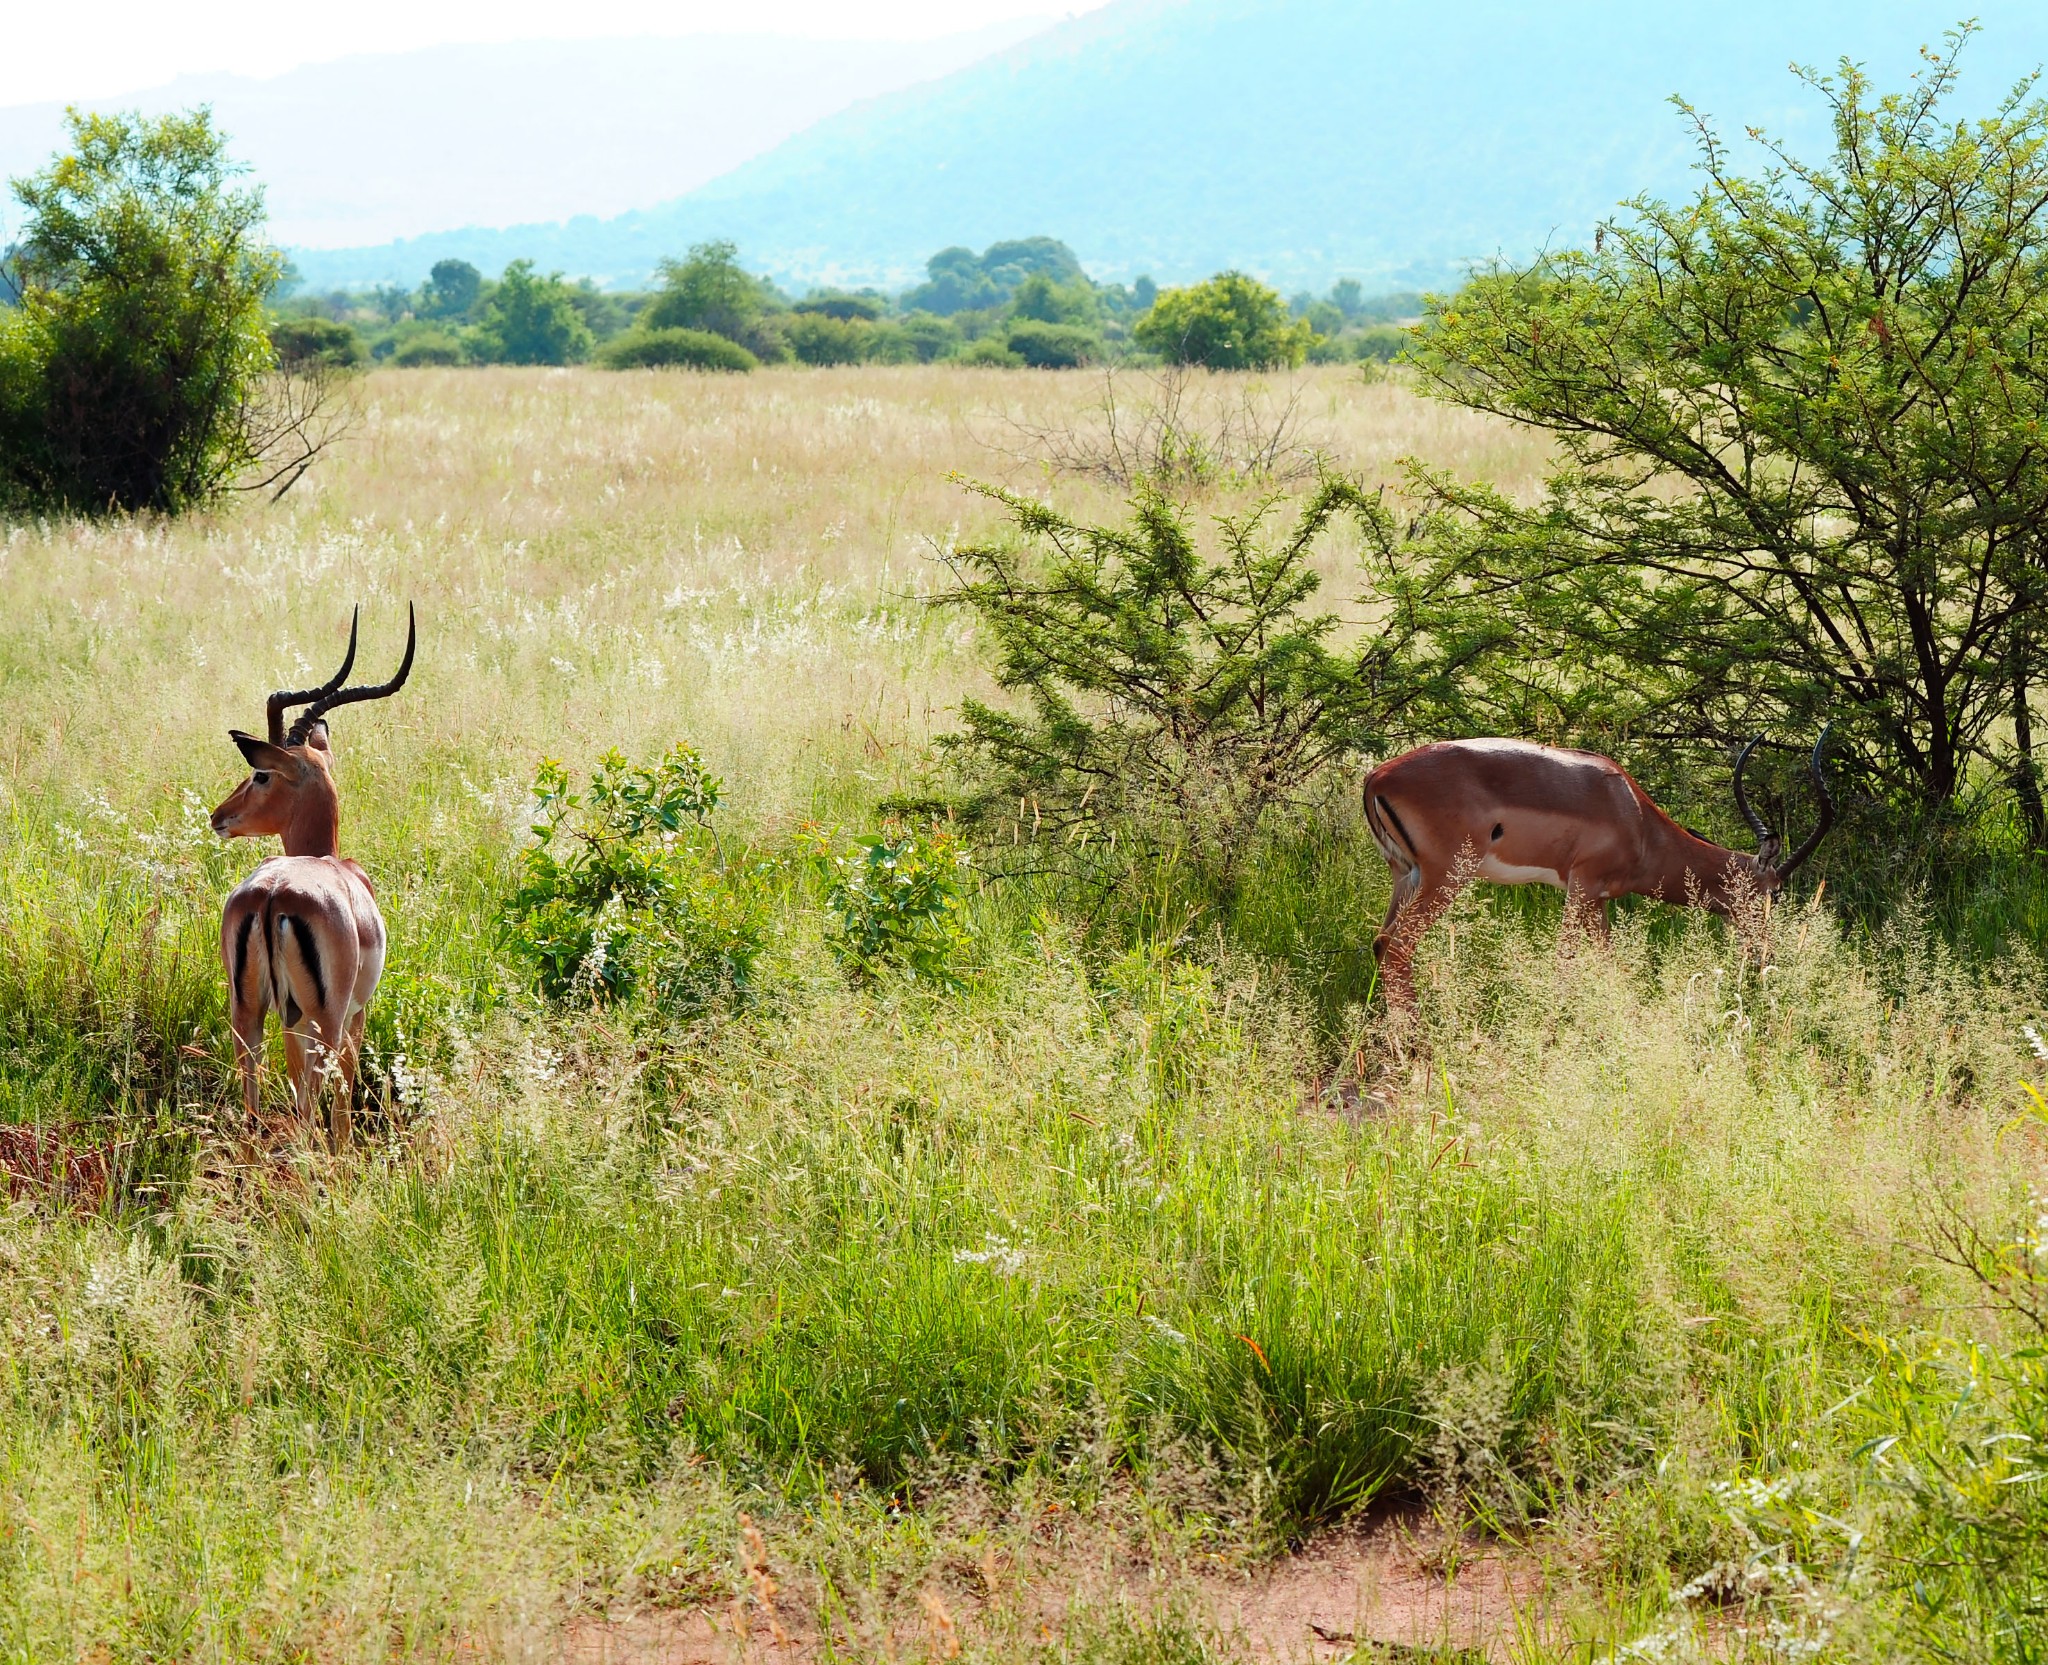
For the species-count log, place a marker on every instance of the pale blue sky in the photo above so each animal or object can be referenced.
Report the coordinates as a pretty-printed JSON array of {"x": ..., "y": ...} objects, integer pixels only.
[{"x": 132, "y": 44}]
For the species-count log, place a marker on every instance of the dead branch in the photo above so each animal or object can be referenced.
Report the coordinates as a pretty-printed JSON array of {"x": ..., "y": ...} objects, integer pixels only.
[
  {"x": 1179, "y": 427},
  {"x": 290, "y": 418}
]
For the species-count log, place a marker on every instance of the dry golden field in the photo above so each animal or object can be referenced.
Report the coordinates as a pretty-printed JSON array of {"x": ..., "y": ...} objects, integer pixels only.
[{"x": 598, "y": 559}]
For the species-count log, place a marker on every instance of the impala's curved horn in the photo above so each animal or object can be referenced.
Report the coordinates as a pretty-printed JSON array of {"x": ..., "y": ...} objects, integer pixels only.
[
  {"x": 1756, "y": 824},
  {"x": 330, "y": 699},
  {"x": 1827, "y": 811},
  {"x": 280, "y": 702}
]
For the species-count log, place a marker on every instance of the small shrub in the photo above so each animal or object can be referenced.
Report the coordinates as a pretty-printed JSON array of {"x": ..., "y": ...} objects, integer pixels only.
[
  {"x": 989, "y": 350},
  {"x": 679, "y": 349},
  {"x": 930, "y": 337},
  {"x": 899, "y": 902},
  {"x": 301, "y": 341},
  {"x": 430, "y": 348},
  {"x": 1169, "y": 700},
  {"x": 619, "y": 898},
  {"x": 820, "y": 339},
  {"x": 891, "y": 343},
  {"x": 1231, "y": 322},
  {"x": 1054, "y": 346}
]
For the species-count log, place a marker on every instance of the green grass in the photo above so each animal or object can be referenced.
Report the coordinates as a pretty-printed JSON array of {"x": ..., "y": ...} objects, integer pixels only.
[{"x": 1140, "y": 1257}]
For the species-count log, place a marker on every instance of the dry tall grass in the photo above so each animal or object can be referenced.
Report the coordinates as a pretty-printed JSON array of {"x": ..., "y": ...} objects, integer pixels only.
[{"x": 598, "y": 559}]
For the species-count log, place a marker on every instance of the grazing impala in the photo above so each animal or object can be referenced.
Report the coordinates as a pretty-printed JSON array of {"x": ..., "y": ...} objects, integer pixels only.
[
  {"x": 1518, "y": 814},
  {"x": 301, "y": 936}
]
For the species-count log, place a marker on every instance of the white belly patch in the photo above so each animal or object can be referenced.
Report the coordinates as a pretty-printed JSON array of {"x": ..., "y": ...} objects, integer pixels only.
[{"x": 1505, "y": 873}]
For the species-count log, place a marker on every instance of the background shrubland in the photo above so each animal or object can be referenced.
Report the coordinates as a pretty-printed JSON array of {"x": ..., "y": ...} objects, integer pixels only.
[{"x": 1025, "y": 302}]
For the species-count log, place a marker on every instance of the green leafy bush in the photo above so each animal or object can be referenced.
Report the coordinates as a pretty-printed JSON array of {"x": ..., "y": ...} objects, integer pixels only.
[
  {"x": 624, "y": 893},
  {"x": 930, "y": 336},
  {"x": 899, "y": 901},
  {"x": 310, "y": 340},
  {"x": 819, "y": 339},
  {"x": 133, "y": 363},
  {"x": 1054, "y": 346},
  {"x": 711, "y": 290},
  {"x": 531, "y": 319},
  {"x": 989, "y": 350},
  {"x": 427, "y": 348},
  {"x": 1231, "y": 322},
  {"x": 1170, "y": 699},
  {"x": 677, "y": 348}
]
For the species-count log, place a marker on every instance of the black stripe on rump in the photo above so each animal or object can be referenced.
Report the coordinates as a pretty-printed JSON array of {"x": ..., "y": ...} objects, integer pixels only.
[
  {"x": 310, "y": 953},
  {"x": 1403, "y": 831},
  {"x": 242, "y": 957}
]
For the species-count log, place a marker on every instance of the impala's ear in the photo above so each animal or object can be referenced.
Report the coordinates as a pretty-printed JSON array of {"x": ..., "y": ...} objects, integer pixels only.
[
  {"x": 1770, "y": 851},
  {"x": 261, "y": 754},
  {"x": 319, "y": 739}
]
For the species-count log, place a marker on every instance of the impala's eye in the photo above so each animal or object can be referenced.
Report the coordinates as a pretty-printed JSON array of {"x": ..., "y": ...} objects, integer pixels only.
[{"x": 261, "y": 777}]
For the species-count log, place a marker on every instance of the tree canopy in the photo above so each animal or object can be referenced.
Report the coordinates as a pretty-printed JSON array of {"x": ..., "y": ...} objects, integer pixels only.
[
  {"x": 530, "y": 319},
  {"x": 711, "y": 290},
  {"x": 1230, "y": 322},
  {"x": 1803, "y": 474},
  {"x": 131, "y": 363}
]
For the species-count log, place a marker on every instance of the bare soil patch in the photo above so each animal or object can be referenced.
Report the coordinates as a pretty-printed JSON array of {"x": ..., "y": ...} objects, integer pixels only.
[{"x": 1396, "y": 1589}]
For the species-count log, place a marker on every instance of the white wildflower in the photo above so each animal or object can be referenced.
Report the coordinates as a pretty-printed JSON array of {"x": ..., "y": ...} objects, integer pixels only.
[{"x": 998, "y": 1254}]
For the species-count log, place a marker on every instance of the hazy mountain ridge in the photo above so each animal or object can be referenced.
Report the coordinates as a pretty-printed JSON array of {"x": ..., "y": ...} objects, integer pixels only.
[
  {"x": 371, "y": 147},
  {"x": 1301, "y": 139}
]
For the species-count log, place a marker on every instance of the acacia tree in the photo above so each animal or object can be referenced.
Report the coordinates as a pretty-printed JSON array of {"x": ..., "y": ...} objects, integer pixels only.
[
  {"x": 135, "y": 368},
  {"x": 1804, "y": 464},
  {"x": 1168, "y": 695}
]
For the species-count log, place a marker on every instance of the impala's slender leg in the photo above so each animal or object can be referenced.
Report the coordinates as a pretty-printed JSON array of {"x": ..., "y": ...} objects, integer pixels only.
[
  {"x": 1420, "y": 900},
  {"x": 298, "y": 1064},
  {"x": 1585, "y": 912},
  {"x": 351, "y": 1062},
  {"x": 246, "y": 1021}
]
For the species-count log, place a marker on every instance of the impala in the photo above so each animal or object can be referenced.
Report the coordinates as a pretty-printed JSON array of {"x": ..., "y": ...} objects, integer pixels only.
[
  {"x": 1518, "y": 813},
  {"x": 301, "y": 936}
]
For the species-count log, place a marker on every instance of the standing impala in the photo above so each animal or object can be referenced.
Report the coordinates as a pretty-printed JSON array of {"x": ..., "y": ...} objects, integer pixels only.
[
  {"x": 301, "y": 936},
  {"x": 1519, "y": 814}
]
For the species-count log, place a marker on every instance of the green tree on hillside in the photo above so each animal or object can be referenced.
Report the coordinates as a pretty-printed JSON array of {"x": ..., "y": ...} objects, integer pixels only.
[
  {"x": 530, "y": 319},
  {"x": 711, "y": 290},
  {"x": 1803, "y": 429},
  {"x": 133, "y": 361},
  {"x": 1044, "y": 301},
  {"x": 963, "y": 281},
  {"x": 451, "y": 289},
  {"x": 1231, "y": 322}
]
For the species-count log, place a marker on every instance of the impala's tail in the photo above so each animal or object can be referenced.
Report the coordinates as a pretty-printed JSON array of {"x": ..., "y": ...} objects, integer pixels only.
[{"x": 298, "y": 979}]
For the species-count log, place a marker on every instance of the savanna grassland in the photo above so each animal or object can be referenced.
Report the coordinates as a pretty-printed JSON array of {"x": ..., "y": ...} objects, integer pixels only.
[{"x": 1677, "y": 1296}]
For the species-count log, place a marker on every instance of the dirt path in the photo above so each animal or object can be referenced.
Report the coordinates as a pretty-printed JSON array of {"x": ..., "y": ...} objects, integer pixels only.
[{"x": 1396, "y": 1583}]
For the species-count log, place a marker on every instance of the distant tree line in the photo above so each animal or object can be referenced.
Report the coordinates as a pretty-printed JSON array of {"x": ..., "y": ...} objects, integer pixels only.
[{"x": 1025, "y": 302}]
